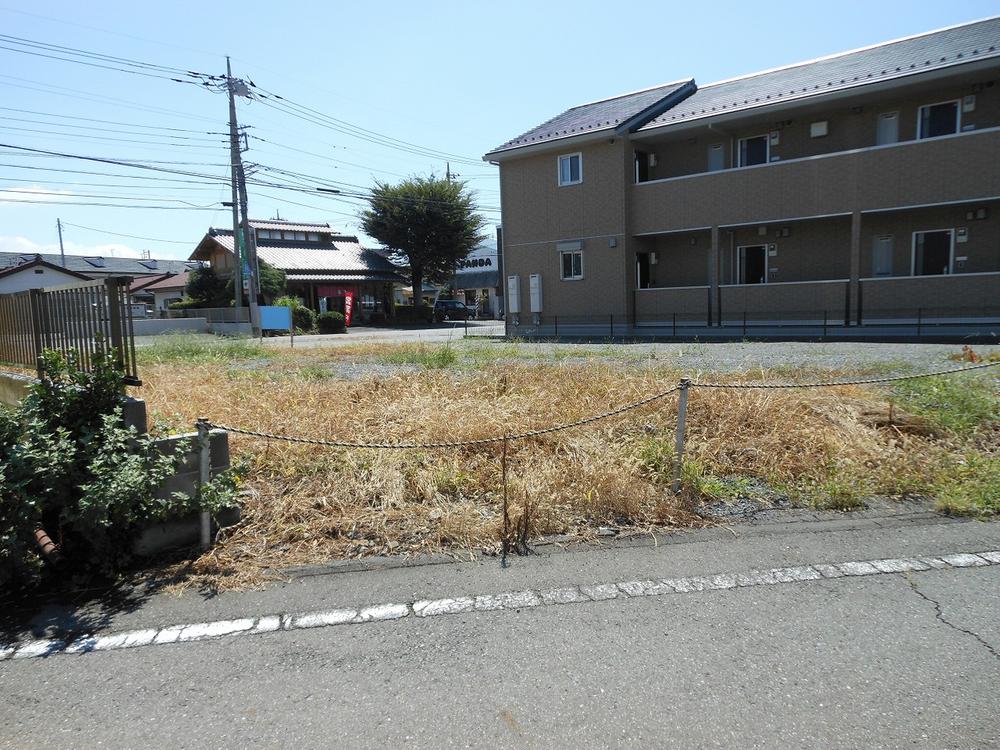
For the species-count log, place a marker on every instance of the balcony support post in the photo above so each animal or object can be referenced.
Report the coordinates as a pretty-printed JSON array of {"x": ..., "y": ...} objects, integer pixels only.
[
  {"x": 713, "y": 275},
  {"x": 855, "y": 282}
]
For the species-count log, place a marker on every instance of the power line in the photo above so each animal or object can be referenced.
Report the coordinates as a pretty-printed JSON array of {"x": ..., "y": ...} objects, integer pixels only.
[
  {"x": 97, "y": 98},
  {"x": 31, "y": 132},
  {"x": 107, "y": 122},
  {"x": 130, "y": 236},
  {"x": 109, "y": 205}
]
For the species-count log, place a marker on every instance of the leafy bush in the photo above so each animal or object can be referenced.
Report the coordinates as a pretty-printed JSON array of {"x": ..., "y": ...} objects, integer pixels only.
[
  {"x": 331, "y": 322},
  {"x": 70, "y": 467},
  {"x": 303, "y": 318},
  {"x": 186, "y": 304}
]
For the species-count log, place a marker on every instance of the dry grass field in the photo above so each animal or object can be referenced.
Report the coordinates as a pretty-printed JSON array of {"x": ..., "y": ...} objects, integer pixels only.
[{"x": 829, "y": 447}]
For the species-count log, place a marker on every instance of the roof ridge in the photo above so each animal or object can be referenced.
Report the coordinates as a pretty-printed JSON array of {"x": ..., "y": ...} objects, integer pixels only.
[
  {"x": 836, "y": 55},
  {"x": 674, "y": 84}
]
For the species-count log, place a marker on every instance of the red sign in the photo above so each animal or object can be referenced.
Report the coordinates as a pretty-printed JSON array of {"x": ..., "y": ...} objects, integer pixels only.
[{"x": 347, "y": 292}]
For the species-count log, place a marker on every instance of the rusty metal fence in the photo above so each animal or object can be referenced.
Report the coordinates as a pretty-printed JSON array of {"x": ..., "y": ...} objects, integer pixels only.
[{"x": 85, "y": 318}]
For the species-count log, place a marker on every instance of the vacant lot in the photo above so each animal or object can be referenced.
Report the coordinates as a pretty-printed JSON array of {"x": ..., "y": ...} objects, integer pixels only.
[{"x": 830, "y": 447}]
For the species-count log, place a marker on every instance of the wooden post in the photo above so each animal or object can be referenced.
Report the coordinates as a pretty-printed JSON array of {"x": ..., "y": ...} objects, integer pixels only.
[
  {"x": 36, "y": 299},
  {"x": 682, "y": 405},
  {"x": 204, "y": 477},
  {"x": 115, "y": 321}
]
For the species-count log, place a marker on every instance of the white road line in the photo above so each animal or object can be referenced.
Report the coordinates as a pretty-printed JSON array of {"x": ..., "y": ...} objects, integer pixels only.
[{"x": 503, "y": 601}]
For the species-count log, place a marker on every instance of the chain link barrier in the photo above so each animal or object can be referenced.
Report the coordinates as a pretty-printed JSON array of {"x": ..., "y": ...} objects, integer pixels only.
[{"x": 586, "y": 420}]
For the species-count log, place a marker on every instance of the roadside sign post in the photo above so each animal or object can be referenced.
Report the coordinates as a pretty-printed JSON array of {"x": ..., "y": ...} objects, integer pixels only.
[{"x": 276, "y": 318}]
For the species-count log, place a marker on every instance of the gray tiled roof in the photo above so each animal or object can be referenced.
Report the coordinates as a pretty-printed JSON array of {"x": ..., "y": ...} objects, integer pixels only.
[
  {"x": 672, "y": 104},
  {"x": 345, "y": 277},
  {"x": 346, "y": 255},
  {"x": 606, "y": 114},
  {"x": 290, "y": 226},
  {"x": 891, "y": 60},
  {"x": 103, "y": 266}
]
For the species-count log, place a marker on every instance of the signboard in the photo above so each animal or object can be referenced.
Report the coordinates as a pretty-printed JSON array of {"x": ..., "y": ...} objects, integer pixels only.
[{"x": 276, "y": 318}]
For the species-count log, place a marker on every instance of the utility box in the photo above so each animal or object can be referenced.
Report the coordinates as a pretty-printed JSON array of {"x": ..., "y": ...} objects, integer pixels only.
[
  {"x": 514, "y": 295},
  {"x": 535, "y": 292}
]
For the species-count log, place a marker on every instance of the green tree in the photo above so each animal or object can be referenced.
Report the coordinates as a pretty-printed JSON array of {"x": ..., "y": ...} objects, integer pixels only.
[
  {"x": 272, "y": 281},
  {"x": 430, "y": 222},
  {"x": 208, "y": 289}
]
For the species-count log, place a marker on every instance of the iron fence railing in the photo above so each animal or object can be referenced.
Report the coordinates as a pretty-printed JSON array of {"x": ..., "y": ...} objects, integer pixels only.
[
  {"x": 85, "y": 318},
  {"x": 911, "y": 322}
]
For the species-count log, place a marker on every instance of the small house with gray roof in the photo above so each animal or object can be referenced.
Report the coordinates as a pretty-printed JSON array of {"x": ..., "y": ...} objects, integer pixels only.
[
  {"x": 326, "y": 269},
  {"x": 860, "y": 191}
]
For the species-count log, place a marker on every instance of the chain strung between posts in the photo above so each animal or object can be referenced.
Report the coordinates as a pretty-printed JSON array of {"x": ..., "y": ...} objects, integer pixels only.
[
  {"x": 832, "y": 383},
  {"x": 588, "y": 420},
  {"x": 453, "y": 443}
]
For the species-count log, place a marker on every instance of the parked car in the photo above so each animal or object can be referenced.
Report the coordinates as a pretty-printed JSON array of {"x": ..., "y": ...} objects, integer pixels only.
[{"x": 451, "y": 309}]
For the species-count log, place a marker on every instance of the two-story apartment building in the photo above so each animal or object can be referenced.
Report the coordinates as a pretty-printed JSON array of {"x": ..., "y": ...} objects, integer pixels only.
[{"x": 852, "y": 189}]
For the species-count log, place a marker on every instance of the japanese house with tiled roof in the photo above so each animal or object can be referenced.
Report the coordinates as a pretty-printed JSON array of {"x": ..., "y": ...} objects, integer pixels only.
[
  {"x": 326, "y": 269},
  {"x": 857, "y": 190}
]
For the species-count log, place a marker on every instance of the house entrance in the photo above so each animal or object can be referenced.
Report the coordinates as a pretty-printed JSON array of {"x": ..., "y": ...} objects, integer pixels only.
[
  {"x": 642, "y": 270},
  {"x": 752, "y": 264}
]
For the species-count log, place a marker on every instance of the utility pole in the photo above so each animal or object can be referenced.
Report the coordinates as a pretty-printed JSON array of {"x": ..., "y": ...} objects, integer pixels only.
[
  {"x": 448, "y": 174},
  {"x": 62, "y": 252},
  {"x": 249, "y": 241},
  {"x": 234, "y": 155}
]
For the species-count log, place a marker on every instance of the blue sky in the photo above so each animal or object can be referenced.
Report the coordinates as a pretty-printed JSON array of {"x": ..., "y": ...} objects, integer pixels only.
[{"x": 449, "y": 77}]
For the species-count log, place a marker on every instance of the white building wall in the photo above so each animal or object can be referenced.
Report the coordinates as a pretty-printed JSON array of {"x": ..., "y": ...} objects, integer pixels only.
[{"x": 34, "y": 278}]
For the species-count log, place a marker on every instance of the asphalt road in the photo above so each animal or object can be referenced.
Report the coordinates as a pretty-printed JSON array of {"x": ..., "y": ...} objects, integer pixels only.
[{"x": 896, "y": 660}]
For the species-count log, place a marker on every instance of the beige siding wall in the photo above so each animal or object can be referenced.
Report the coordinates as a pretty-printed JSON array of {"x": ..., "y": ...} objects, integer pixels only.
[
  {"x": 681, "y": 259},
  {"x": 811, "y": 251},
  {"x": 982, "y": 248},
  {"x": 660, "y": 305},
  {"x": 807, "y": 300},
  {"x": 538, "y": 213},
  {"x": 932, "y": 294},
  {"x": 850, "y": 126},
  {"x": 916, "y": 173}
]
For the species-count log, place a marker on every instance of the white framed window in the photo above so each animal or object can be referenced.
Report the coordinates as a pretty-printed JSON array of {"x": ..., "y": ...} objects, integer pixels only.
[
  {"x": 263, "y": 234},
  {"x": 755, "y": 150},
  {"x": 571, "y": 265},
  {"x": 933, "y": 252},
  {"x": 313, "y": 237},
  {"x": 935, "y": 120},
  {"x": 570, "y": 169}
]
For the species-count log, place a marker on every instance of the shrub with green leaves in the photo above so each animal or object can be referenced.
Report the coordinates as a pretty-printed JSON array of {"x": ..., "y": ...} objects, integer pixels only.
[
  {"x": 331, "y": 322},
  {"x": 69, "y": 466},
  {"x": 303, "y": 318}
]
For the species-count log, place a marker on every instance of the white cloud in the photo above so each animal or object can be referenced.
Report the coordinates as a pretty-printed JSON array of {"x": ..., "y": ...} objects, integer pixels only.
[
  {"x": 34, "y": 193},
  {"x": 24, "y": 245}
]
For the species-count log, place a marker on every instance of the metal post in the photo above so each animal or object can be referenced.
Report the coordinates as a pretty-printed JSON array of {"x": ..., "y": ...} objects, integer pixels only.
[
  {"x": 611, "y": 323},
  {"x": 824, "y": 324},
  {"x": 675, "y": 325},
  {"x": 204, "y": 477},
  {"x": 682, "y": 405},
  {"x": 555, "y": 322},
  {"x": 920, "y": 320},
  {"x": 744, "y": 324}
]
